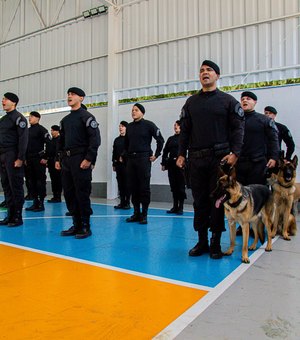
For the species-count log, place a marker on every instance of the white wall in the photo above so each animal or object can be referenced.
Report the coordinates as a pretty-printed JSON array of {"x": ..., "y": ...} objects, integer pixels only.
[{"x": 164, "y": 113}]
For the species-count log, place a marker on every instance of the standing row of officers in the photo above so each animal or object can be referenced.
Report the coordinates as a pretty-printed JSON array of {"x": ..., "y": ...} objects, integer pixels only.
[{"x": 214, "y": 127}]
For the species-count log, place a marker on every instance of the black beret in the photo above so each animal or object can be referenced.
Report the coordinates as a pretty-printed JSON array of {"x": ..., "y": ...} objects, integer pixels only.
[
  {"x": 124, "y": 123},
  {"x": 55, "y": 127},
  {"x": 211, "y": 64},
  {"x": 271, "y": 109},
  {"x": 77, "y": 91},
  {"x": 12, "y": 97},
  {"x": 249, "y": 94},
  {"x": 140, "y": 106},
  {"x": 35, "y": 114}
]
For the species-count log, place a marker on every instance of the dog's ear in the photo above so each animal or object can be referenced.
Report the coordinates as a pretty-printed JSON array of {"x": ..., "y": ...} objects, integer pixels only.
[{"x": 295, "y": 161}]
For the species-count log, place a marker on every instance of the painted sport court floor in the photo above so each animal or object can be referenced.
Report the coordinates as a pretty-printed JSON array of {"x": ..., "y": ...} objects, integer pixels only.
[{"x": 127, "y": 281}]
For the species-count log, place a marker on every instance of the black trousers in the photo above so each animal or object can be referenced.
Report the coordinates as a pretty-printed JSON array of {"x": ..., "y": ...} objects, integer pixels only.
[
  {"x": 139, "y": 174},
  {"x": 77, "y": 186},
  {"x": 55, "y": 176},
  {"x": 204, "y": 176},
  {"x": 12, "y": 180},
  {"x": 250, "y": 172},
  {"x": 122, "y": 180},
  {"x": 177, "y": 181},
  {"x": 37, "y": 177}
]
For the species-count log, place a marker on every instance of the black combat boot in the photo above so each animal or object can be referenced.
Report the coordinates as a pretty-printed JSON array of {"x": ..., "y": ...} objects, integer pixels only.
[
  {"x": 180, "y": 208},
  {"x": 215, "y": 246},
  {"x": 40, "y": 206},
  {"x": 16, "y": 219},
  {"x": 72, "y": 231},
  {"x": 136, "y": 215},
  {"x": 33, "y": 206},
  {"x": 143, "y": 216},
  {"x": 8, "y": 218},
  {"x": 202, "y": 246},
  {"x": 174, "y": 209},
  {"x": 85, "y": 230}
]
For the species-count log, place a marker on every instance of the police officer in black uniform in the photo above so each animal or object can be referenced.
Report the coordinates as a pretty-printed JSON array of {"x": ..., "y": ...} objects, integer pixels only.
[
  {"x": 175, "y": 174},
  {"x": 261, "y": 148},
  {"x": 13, "y": 144},
  {"x": 139, "y": 155},
  {"x": 78, "y": 147},
  {"x": 55, "y": 175},
  {"x": 284, "y": 133},
  {"x": 119, "y": 166},
  {"x": 36, "y": 160},
  {"x": 212, "y": 130}
]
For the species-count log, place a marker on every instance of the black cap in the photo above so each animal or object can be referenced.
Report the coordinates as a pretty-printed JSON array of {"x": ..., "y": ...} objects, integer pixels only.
[
  {"x": 77, "y": 91},
  {"x": 249, "y": 94},
  {"x": 271, "y": 109},
  {"x": 35, "y": 114},
  {"x": 55, "y": 127},
  {"x": 12, "y": 97},
  {"x": 211, "y": 64},
  {"x": 141, "y": 107},
  {"x": 124, "y": 123}
]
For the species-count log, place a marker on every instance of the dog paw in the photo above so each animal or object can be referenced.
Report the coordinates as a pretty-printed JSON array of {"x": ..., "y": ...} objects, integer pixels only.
[
  {"x": 245, "y": 260},
  {"x": 227, "y": 252},
  {"x": 252, "y": 247},
  {"x": 286, "y": 237},
  {"x": 268, "y": 249}
]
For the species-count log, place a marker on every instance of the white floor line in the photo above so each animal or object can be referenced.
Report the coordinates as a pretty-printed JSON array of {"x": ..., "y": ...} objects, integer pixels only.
[
  {"x": 100, "y": 265},
  {"x": 177, "y": 326}
]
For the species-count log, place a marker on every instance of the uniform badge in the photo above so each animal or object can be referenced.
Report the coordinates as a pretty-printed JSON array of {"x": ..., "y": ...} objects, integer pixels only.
[
  {"x": 22, "y": 124},
  {"x": 93, "y": 124},
  {"x": 289, "y": 134},
  {"x": 272, "y": 124},
  {"x": 239, "y": 110},
  {"x": 157, "y": 132}
]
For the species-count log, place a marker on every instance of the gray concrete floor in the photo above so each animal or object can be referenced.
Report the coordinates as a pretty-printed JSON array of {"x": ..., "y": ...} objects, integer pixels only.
[{"x": 264, "y": 303}]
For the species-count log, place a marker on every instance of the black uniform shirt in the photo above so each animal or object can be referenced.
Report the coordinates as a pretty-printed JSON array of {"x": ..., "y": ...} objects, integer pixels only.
[
  {"x": 79, "y": 129},
  {"x": 170, "y": 151},
  {"x": 139, "y": 135},
  {"x": 118, "y": 149},
  {"x": 261, "y": 137},
  {"x": 285, "y": 135},
  {"x": 211, "y": 118},
  {"x": 14, "y": 132},
  {"x": 51, "y": 147},
  {"x": 38, "y": 136}
]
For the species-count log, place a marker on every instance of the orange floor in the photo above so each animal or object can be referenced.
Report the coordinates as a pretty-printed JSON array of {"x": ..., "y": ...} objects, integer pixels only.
[{"x": 46, "y": 297}]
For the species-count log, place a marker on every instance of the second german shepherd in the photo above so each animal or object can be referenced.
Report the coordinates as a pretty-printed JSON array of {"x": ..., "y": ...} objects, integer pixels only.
[
  {"x": 245, "y": 205},
  {"x": 283, "y": 186}
]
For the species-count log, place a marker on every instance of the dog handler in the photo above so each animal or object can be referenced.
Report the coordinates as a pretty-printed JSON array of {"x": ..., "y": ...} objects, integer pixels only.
[{"x": 212, "y": 130}]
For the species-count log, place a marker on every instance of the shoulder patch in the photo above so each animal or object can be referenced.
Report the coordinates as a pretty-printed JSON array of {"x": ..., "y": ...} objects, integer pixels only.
[
  {"x": 182, "y": 114},
  {"x": 272, "y": 124},
  {"x": 22, "y": 124},
  {"x": 289, "y": 134},
  {"x": 93, "y": 124},
  {"x": 157, "y": 132},
  {"x": 238, "y": 110}
]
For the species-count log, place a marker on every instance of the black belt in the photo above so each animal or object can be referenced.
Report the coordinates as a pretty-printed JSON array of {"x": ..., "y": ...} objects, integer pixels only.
[
  {"x": 201, "y": 153},
  {"x": 139, "y": 154},
  {"x": 11, "y": 148},
  {"x": 72, "y": 152}
]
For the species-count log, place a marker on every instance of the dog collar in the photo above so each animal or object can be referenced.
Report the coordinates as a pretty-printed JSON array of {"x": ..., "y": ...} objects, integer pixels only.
[{"x": 236, "y": 203}]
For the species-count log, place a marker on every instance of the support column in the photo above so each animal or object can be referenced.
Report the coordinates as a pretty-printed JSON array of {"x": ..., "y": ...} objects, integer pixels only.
[{"x": 114, "y": 26}]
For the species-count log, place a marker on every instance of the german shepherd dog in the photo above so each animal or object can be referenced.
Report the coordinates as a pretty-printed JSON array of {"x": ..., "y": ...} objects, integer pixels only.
[
  {"x": 245, "y": 205},
  {"x": 283, "y": 186}
]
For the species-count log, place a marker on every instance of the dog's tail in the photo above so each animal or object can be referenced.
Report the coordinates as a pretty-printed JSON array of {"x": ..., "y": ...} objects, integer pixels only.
[{"x": 261, "y": 231}]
